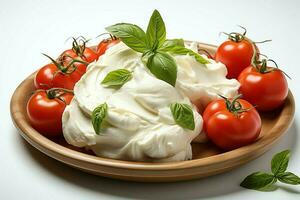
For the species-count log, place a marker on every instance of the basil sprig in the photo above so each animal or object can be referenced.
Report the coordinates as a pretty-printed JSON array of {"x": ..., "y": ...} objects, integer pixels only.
[
  {"x": 265, "y": 181},
  {"x": 183, "y": 115},
  {"x": 154, "y": 46},
  {"x": 117, "y": 78},
  {"x": 98, "y": 116}
]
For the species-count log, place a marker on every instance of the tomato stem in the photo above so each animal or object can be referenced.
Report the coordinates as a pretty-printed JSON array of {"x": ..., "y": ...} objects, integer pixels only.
[
  {"x": 57, "y": 93},
  {"x": 79, "y": 45},
  {"x": 261, "y": 66},
  {"x": 57, "y": 64},
  {"x": 260, "y": 42},
  {"x": 112, "y": 37},
  {"x": 70, "y": 68},
  {"x": 234, "y": 106}
]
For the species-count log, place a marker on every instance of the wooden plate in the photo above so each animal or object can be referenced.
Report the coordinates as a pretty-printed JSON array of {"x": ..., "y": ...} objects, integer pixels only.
[{"x": 207, "y": 159}]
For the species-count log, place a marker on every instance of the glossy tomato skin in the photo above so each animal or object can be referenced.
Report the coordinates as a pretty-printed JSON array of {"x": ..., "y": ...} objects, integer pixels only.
[
  {"x": 89, "y": 55},
  {"x": 267, "y": 91},
  {"x": 106, "y": 44},
  {"x": 235, "y": 55},
  {"x": 45, "y": 114},
  {"x": 49, "y": 77},
  {"x": 228, "y": 130}
]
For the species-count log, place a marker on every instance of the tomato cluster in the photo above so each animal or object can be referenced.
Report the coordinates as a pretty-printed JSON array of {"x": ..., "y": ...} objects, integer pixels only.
[
  {"x": 55, "y": 82},
  {"x": 232, "y": 123}
]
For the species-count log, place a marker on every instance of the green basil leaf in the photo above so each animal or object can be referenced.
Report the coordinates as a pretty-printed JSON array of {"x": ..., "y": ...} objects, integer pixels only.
[
  {"x": 258, "y": 181},
  {"x": 289, "y": 178},
  {"x": 98, "y": 115},
  {"x": 156, "y": 31},
  {"x": 181, "y": 50},
  {"x": 132, "y": 35},
  {"x": 163, "y": 66},
  {"x": 183, "y": 115},
  {"x": 173, "y": 42},
  {"x": 280, "y": 162},
  {"x": 117, "y": 78}
]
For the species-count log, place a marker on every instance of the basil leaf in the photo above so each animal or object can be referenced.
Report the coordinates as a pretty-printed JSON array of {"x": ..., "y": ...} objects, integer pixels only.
[
  {"x": 173, "y": 42},
  {"x": 183, "y": 115},
  {"x": 289, "y": 178},
  {"x": 117, "y": 78},
  {"x": 156, "y": 31},
  {"x": 280, "y": 161},
  {"x": 132, "y": 35},
  {"x": 258, "y": 181},
  {"x": 181, "y": 50},
  {"x": 98, "y": 115},
  {"x": 163, "y": 66}
]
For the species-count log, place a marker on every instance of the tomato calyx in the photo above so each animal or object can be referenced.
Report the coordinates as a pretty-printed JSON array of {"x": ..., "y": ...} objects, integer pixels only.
[
  {"x": 261, "y": 66},
  {"x": 111, "y": 37},
  {"x": 59, "y": 63},
  {"x": 57, "y": 93},
  {"x": 237, "y": 37},
  {"x": 79, "y": 45},
  {"x": 234, "y": 106}
]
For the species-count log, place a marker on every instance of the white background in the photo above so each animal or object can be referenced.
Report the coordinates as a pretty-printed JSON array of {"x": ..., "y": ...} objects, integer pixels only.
[{"x": 28, "y": 28}]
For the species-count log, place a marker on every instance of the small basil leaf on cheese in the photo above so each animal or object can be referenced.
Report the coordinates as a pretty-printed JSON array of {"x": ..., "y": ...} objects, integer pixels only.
[
  {"x": 98, "y": 116},
  {"x": 117, "y": 78},
  {"x": 183, "y": 115}
]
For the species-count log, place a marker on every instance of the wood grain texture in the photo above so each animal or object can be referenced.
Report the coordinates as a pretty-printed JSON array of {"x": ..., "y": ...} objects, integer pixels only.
[{"x": 207, "y": 158}]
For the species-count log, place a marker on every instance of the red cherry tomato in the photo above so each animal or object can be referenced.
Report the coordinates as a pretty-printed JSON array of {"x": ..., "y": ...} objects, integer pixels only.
[
  {"x": 106, "y": 44},
  {"x": 235, "y": 55},
  {"x": 231, "y": 127},
  {"x": 45, "y": 109},
  {"x": 266, "y": 90},
  {"x": 50, "y": 76}
]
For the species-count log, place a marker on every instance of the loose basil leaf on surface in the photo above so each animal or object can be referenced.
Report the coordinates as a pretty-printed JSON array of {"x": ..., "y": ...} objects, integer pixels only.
[
  {"x": 280, "y": 162},
  {"x": 265, "y": 182},
  {"x": 132, "y": 35},
  {"x": 156, "y": 31},
  {"x": 183, "y": 115},
  {"x": 258, "y": 181},
  {"x": 117, "y": 78},
  {"x": 98, "y": 115},
  {"x": 289, "y": 178},
  {"x": 163, "y": 66},
  {"x": 180, "y": 50}
]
